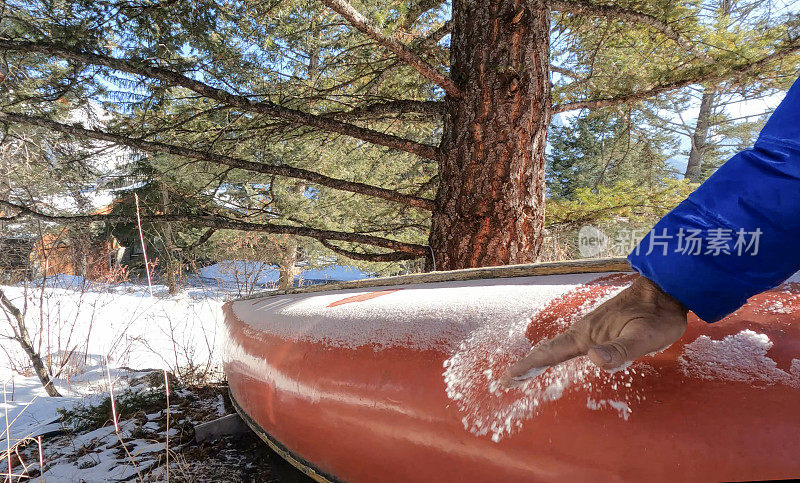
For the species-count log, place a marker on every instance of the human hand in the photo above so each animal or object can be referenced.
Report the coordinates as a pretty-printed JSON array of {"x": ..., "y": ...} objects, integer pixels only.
[{"x": 639, "y": 320}]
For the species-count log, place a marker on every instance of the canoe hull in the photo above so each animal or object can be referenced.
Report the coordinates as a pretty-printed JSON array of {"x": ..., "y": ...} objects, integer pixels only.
[{"x": 426, "y": 408}]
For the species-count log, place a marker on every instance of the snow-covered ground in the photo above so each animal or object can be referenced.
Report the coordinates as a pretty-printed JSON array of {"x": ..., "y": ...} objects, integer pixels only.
[
  {"x": 83, "y": 328},
  {"x": 153, "y": 438},
  {"x": 86, "y": 331},
  {"x": 91, "y": 333}
]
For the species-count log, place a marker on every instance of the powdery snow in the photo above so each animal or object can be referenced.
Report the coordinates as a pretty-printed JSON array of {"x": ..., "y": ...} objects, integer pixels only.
[
  {"x": 739, "y": 357},
  {"x": 484, "y": 326},
  {"x": 473, "y": 371},
  {"x": 620, "y": 406},
  {"x": 481, "y": 324},
  {"x": 90, "y": 450},
  {"x": 786, "y": 302},
  {"x": 69, "y": 282},
  {"x": 90, "y": 325},
  {"x": 433, "y": 315}
]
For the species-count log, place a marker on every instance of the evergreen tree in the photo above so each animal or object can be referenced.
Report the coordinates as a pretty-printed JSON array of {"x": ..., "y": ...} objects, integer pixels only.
[
  {"x": 603, "y": 149},
  {"x": 420, "y": 127}
]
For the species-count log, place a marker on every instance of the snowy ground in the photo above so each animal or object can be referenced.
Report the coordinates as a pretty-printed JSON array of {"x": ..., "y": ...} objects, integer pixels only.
[
  {"x": 91, "y": 334},
  {"x": 86, "y": 446},
  {"x": 98, "y": 337}
]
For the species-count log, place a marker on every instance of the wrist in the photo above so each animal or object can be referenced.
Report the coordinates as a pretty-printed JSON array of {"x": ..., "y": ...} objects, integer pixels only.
[{"x": 650, "y": 291}]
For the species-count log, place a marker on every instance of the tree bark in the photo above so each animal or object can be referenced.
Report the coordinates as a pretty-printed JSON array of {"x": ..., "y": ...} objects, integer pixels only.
[
  {"x": 169, "y": 242},
  {"x": 700, "y": 137},
  {"x": 288, "y": 261},
  {"x": 694, "y": 168},
  {"x": 490, "y": 204}
]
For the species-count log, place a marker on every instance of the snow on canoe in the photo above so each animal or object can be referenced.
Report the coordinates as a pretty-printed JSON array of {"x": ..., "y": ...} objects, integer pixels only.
[{"x": 396, "y": 380}]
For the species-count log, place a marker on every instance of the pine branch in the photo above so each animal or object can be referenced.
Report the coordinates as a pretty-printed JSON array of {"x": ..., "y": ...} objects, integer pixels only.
[
  {"x": 789, "y": 47},
  {"x": 621, "y": 13},
  {"x": 200, "y": 241},
  {"x": 221, "y": 223},
  {"x": 263, "y": 107},
  {"x": 404, "y": 106},
  {"x": 370, "y": 257},
  {"x": 565, "y": 72},
  {"x": 285, "y": 171},
  {"x": 436, "y": 36},
  {"x": 416, "y": 10},
  {"x": 363, "y": 24}
]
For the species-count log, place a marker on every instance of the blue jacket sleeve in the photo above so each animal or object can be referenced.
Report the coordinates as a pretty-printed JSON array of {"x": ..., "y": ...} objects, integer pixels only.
[{"x": 751, "y": 205}]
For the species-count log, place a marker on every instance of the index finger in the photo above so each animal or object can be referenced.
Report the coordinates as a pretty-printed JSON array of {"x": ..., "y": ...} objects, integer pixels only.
[{"x": 560, "y": 348}]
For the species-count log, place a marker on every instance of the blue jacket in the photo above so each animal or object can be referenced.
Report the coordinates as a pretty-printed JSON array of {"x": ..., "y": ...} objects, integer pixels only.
[{"x": 752, "y": 205}]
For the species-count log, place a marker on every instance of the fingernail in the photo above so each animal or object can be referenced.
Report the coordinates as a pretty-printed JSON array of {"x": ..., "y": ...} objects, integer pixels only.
[
  {"x": 532, "y": 372},
  {"x": 604, "y": 354}
]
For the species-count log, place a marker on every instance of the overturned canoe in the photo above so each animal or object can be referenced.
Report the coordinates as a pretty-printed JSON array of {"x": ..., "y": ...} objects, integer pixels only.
[{"x": 396, "y": 380}]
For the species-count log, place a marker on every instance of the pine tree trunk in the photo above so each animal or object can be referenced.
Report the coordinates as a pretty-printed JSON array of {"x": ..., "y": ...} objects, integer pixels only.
[
  {"x": 288, "y": 262},
  {"x": 169, "y": 245},
  {"x": 490, "y": 202},
  {"x": 694, "y": 168}
]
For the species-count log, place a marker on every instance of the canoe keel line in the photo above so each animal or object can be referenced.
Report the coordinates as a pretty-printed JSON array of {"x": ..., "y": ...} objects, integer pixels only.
[{"x": 398, "y": 381}]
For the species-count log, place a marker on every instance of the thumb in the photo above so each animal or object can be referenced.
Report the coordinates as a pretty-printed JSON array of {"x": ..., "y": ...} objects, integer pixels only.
[
  {"x": 624, "y": 349},
  {"x": 612, "y": 355},
  {"x": 638, "y": 338},
  {"x": 561, "y": 348}
]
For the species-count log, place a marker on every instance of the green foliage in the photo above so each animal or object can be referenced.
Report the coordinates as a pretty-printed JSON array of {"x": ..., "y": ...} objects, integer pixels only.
[
  {"x": 625, "y": 212},
  {"x": 727, "y": 137},
  {"x": 157, "y": 193},
  {"x": 36, "y": 168},
  {"x": 128, "y": 404},
  {"x": 604, "y": 148},
  {"x": 626, "y": 201}
]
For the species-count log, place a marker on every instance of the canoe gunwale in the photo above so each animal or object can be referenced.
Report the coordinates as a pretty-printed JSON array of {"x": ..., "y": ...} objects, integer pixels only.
[
  {"x": 298, "y": 462},
  {"x": 596, "y": 265}
]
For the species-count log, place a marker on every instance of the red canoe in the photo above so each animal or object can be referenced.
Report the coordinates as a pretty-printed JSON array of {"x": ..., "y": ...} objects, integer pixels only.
[{"x": 394, "y": 380}]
